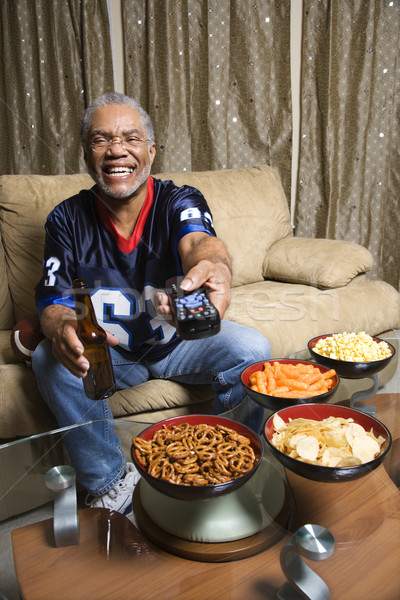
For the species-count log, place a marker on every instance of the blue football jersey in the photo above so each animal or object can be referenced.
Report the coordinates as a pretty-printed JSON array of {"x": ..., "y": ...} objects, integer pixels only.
[{"x": 123, "y": 275}]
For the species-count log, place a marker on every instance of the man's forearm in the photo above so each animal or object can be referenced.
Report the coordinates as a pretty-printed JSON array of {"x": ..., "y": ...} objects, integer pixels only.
[{"x": 195, "y": 248}]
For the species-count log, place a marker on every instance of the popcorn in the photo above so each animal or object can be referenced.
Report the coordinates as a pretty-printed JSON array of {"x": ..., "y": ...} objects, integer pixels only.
[{"x": 352, "y": 347}]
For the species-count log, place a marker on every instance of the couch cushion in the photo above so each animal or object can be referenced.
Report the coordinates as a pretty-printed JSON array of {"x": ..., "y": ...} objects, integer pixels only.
[
  {"x": 23, "y": 412},
  {"x": 25, "y": 202},
  {"x": 250, "y": 213},
  {"x": 319, "y": 262},
  {"x": 289, "y": 315}
]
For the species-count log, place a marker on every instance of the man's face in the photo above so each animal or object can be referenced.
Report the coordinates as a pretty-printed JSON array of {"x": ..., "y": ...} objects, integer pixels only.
[{"x": 119, "y": 172}]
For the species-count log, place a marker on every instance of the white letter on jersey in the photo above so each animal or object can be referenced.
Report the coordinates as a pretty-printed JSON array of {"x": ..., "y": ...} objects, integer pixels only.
[
  {"x": 52, "y": 264},
  {"x": 162, "y": 330},
  {"x": 121, "y": 307},
  {"x": 190, "y": 213}
]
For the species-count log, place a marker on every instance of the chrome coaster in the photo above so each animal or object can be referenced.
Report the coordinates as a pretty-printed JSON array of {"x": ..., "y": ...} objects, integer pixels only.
[
  {"x": 62, "y": 481},
  {"x": 314, "y": 543},
  {"x": 358, "y": 397}
]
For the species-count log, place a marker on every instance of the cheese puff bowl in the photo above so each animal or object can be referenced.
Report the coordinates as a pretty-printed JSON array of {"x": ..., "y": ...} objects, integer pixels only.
[
  {"x": 350, "y": 369},
  {"x": 343, "y": 443},
  {"x": 196, "y": 457},
  {"x": 302, "y": 370}
]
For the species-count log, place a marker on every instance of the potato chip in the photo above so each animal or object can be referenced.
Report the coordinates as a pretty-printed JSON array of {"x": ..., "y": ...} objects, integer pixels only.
[
  {"x": 332, "y": 456},
  {"x": 349, "y": 461},
  {"x": 279, "y": 423},
  {"x": 295, "y": 438},
  {"x": 308, "y": 447},
  {"x": 353, "y": 431},
  {"x": 365, "y": 448}
]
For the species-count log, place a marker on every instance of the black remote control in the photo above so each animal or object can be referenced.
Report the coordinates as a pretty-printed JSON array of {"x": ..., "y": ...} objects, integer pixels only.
[{"x": 195, "y": 315}]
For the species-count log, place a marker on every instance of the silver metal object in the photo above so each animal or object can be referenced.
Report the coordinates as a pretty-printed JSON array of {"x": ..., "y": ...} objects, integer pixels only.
[
  {"x": 62, "y": 481},
  {"x": 364, "y": 395},
  {"x": 315, "y": 543}
]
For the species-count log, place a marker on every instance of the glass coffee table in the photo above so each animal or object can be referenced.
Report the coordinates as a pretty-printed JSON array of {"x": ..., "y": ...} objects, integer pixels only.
[{"x": 115, "y": 559}]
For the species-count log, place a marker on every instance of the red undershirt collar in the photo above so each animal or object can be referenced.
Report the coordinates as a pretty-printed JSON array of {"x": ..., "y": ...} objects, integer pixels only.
[{"x": 127, "y": 245}]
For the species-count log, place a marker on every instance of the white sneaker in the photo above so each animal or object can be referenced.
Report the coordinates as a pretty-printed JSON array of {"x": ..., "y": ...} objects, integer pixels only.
[{"x": 119, "y": 498}]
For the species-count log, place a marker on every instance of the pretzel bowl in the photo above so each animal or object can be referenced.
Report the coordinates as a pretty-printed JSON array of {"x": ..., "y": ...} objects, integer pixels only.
[
  {"x": 318, "y": 412},
  {"x": 276, "y": 403},
  {"x": 199, "y": 491},
  {"x": 349, "y": 369}
]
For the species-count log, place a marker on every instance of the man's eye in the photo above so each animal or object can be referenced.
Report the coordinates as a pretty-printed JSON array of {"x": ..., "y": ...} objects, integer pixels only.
[
  {"x": 132, "y": 139},
  {"x": 100, "y": 141}
]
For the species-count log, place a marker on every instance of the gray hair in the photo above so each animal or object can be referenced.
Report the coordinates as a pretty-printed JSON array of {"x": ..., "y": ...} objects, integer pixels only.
[{"x": 114, "y": 98}]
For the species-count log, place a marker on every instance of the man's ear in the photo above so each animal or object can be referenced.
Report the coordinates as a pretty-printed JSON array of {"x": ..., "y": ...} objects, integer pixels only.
[{"x": 152, "y": 152}]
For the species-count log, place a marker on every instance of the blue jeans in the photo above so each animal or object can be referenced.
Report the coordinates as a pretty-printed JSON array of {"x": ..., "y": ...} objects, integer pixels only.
[{"x": 95, "y": 451}]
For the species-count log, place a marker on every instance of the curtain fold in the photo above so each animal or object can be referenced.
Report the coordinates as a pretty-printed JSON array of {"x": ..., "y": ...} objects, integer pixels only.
[
  {"x": 349, "y": 168},
  {"x": 56, "y": 58},
  {"x": 215, "y": 79}
]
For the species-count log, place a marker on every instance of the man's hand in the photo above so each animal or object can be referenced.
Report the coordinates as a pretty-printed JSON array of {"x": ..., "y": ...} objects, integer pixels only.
[
  {"x": 59, "y": 326},
  {"x": 205, "y": 263}
]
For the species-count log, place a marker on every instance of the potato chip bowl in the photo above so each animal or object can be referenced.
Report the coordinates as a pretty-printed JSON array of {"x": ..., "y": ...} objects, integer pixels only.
[
  {"x": 318, "y": 412},
  {"x": 203, "y": 492},
  {"x": 274, "y": 403},
  {"x": 349, "y": 369}
]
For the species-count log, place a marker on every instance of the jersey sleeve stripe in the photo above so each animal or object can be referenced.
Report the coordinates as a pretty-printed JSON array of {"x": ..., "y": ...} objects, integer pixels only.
[{"x": 63, "y": 300}]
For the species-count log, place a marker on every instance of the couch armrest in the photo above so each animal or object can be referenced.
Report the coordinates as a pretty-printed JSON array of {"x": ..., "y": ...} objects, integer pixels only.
[{"x": 321, "y": 263}]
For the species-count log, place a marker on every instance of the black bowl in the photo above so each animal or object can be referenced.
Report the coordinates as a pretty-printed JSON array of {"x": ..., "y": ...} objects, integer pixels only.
[
  {"x": 274, "y": 403},
  {"x": 186, "y": 492},
  {"x": 318, "y": 412},
  {"x": 348, "y": 369}
]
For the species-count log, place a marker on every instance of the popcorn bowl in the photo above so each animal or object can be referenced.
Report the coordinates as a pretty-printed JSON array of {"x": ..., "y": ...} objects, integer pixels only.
[
  {"x": 318, "y": 412},
  {"x": 350, "y": 369},
  {"x": 199, "y": 492}
]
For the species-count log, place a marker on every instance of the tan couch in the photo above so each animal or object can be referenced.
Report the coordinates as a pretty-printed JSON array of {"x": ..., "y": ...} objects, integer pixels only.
[{"x": 289, "y": 288}]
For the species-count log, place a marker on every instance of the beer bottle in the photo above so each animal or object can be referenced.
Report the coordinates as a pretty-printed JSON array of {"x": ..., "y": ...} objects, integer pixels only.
[{"x": 99, "y": 381}]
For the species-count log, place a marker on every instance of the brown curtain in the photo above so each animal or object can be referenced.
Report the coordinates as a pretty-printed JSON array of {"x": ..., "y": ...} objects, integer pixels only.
[
  {"x": 349, "y": 168},
  {"x": 215, "y": 79},
  {"x": 56, "y": 58}
]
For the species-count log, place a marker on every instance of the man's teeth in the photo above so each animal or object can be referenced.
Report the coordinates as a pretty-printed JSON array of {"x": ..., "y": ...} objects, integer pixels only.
[{"x": 120, "y": 170}]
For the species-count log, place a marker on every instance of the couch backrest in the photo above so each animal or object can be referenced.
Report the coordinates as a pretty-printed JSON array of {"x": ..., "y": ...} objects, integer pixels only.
[
  {"x": 25, "y": 202},
  {"x": 250, "y": 213},
  {"x": 249, "y": 209}
]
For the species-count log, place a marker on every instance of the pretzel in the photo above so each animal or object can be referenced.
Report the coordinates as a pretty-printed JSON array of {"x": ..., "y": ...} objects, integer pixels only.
[
  {"x": 181, "y": 431},
  {"x": 195, "y": 455},
  {"x": 207, "y": 470},
  {"x": 155, "y": 468},
  {"x": 205, "y": 451},
  {"x": 241, "y": 464},
  {"x": 235, "y": 437},
  {"x": 207, "y": 435},
  {"x": 226, "y": 449},
  {"x": 222, "y": 466},
  {"x": 143, "y": 445},
  {"x": 141, "y": 458},
  {"x": 190, "y": 468},
  {"x": 194, "y": 479},
  {"x": 177, "y": 450}
]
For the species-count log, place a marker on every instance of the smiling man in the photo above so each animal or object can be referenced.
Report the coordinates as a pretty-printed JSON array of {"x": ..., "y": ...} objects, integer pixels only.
[
  {"x": 126, "y": 236},
  {"x": 122, "y": 171}
]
